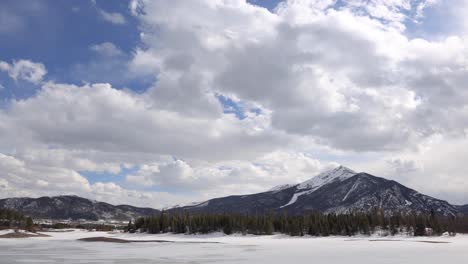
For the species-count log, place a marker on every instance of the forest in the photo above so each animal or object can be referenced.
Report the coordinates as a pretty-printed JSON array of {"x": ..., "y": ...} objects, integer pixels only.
[
  {"x": 13, "y": 219},
  {"x": 313, "y": 224}
]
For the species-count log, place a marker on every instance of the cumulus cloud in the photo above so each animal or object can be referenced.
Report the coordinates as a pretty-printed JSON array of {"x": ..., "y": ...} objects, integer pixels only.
[
  {"x": 327, "y": 81},
  {"x": 227, "y": 177},
  {"x": 99, "y": 117},
  {"x": 24, "y": 70},
  {"x": 31, "y": 178},
  {"x": 344, "y": 76},
  {"x": 333, "y": 77},
  {"x": 98, "y": 128},
  {"x": 436, "y": 168},
  {"x": 25, "y": 176}
]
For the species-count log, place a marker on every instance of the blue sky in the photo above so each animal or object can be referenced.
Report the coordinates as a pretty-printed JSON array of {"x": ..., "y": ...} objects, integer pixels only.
[{"x": 60, "y": 34}]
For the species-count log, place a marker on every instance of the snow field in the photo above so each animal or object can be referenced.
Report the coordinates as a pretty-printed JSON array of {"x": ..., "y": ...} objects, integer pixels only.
[{"x": 63, "y": 247}]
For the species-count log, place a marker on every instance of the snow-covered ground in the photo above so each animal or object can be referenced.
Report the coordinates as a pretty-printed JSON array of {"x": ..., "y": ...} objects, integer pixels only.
[
  {"x": 63, "y": 247},
  {"x": 12, "y": 231}
]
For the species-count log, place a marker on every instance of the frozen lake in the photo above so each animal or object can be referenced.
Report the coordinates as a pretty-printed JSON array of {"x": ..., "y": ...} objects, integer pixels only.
[{"x": 64, "y": 248}]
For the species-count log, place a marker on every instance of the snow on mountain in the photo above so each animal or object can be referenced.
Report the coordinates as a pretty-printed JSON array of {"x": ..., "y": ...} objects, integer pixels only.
[
  {"x": 340, "y": 190},
  {"x": 337, "y": 174},
  {"x": 192, "y": 204},
  {"x": 74, "y": 207},
  {"x": 295, "y": 197},
  {"x": 280, "y": 187}
]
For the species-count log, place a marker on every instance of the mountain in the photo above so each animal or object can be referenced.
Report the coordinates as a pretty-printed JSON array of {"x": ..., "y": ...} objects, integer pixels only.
[
  {"x": 463, "y": 209},
  {"x": 74, "y": 207},
  {"x": 340, "y": 190}
]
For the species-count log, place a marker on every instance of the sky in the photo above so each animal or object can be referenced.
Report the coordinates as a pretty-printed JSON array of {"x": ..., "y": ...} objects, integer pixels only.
[{"x": 157, "y": 103}]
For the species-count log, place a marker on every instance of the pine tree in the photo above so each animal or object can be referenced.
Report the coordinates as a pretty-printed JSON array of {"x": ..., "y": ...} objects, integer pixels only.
[{"x": 29, "y": 224}]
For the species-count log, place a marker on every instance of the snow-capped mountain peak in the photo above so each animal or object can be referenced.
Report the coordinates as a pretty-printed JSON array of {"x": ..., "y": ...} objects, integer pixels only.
[
  {"x": 337, "y": 191},
  {"x": 337, "y": 174}
]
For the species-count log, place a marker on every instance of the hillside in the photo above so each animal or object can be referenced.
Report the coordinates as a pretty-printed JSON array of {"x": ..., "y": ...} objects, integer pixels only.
[
  {"x": 74, "y": 207},
  {"x": 340, "y": 190}
]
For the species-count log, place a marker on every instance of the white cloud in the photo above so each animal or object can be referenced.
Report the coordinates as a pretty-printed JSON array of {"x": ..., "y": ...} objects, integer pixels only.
[
  {"x": 24, "y": 70},
  {"x": 71, "y": 159},
  {"x": 224, "y": 178},
  {"x": 99, "y": 117},
  {"x": 347, "y": 77},
  {"x": 31, "y": 179},
  {"x": 344, "y": 82},
  {"x": 113, "y": 17},
  {"x": 436, "y": 168},
  {"x": 107, "y": 49},
  {"x": 25, "y": 176}
]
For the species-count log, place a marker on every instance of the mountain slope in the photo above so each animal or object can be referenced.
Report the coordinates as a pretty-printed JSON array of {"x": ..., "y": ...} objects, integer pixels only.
[
  {"x": 364, "y": 192},
  {"x": 463, "y": 209},
  {"x": 73, "y": 207},
  {"x": 245, "y": 204},
  {"x": 338, "y": 174},
  {"x": 339, "y": 190}
]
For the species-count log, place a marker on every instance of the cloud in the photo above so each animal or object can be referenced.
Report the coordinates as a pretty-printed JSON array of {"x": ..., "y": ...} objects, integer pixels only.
[
  {"x": 33, "y": 179},
  {"x": 329, "y": 81},
  {"x": 99, "y": 117},
  {"x": 223, "y": 178},
  {"x": 107, "y": 49},
  {"x": 346, "y": 76},
  {"x": 421, "y": 168},
  {"x": 24, "y": 70},
  {"x": 25, "y": 176},
  {"x": 113, "y": 17}
]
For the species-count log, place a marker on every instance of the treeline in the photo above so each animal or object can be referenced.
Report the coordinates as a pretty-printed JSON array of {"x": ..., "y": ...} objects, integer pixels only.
[
  {"x": 86, "y": 226},
  {"x": 314, "y": 224},
  {"x": 12, "y": 219}
]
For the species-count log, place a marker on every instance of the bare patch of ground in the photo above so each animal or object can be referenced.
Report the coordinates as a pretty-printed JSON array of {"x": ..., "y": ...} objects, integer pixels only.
[
  {"x": 420, "y": 241},
  {"x": 58, "y": 231},
  {"x": 118, "y": 240},
  {"x": 22, "y": 235}
]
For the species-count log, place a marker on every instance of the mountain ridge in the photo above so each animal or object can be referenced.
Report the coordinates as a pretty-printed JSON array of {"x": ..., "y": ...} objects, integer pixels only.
[
  {"x": 340, "y": 190},
  {"x": 74, "y": 207}
]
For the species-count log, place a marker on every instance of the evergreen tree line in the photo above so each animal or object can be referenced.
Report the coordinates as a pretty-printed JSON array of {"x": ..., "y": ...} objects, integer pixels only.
[
  {"x": 86, "y": 226},
  {"x": 12, "y": 219},
  {"x": 314, "y": 224}
]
